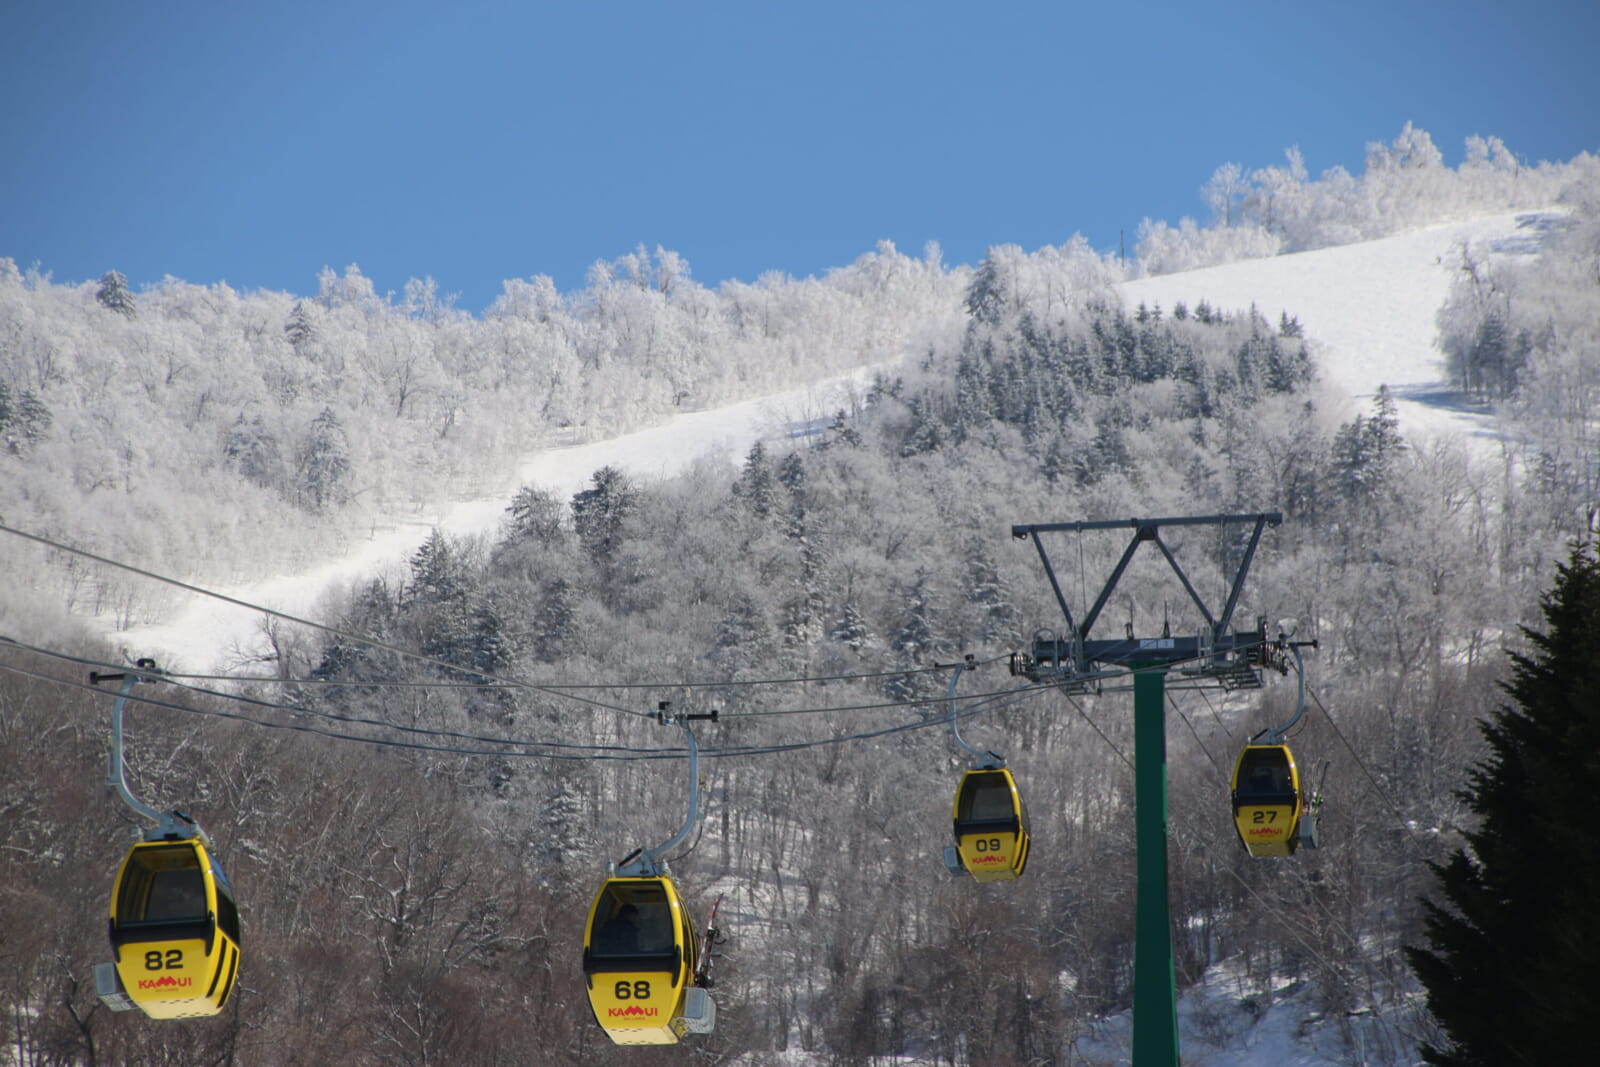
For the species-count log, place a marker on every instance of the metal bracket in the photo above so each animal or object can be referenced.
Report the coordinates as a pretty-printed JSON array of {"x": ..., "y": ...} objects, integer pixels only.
[{"x": 1217, "y": 652}]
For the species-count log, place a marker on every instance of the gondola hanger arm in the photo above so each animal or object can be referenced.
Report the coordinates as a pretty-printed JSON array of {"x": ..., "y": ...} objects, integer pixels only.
[
  {"x": 649, "y": 861},
  {"x": 981, "y": 760},
  {"x": 175, "y": 824}
]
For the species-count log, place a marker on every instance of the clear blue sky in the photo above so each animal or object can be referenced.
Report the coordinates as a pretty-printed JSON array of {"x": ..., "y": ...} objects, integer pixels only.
[{"x": 474, "y": 141}]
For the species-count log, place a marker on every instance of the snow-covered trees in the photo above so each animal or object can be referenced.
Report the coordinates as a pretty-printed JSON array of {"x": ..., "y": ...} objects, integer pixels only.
[{"x": 1405, "y": 184}]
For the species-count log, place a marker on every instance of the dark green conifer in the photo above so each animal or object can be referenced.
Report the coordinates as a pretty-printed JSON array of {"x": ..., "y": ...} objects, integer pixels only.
[{"x": 1512, "y": 941}]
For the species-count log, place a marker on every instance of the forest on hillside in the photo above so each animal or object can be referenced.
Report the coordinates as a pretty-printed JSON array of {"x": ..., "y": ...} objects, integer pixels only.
[
  {"x": 219, "y": 436},
  {"x": 413, "y": 889}
]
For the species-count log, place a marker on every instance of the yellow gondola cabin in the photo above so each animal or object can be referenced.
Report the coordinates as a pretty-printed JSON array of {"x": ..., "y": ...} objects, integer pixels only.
[
  {"x": 174, "y": 929},
  {"x": 640, "y": 956},
  {"x": 1268, "y": 804},
  {"x": 991, "y": 827}
]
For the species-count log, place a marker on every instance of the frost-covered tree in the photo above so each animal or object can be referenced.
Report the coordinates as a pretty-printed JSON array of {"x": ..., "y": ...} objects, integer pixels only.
[
  {"x": 438, "y": 574},
  {"x": 115, "y": 294},
  {"x": 253, "y": 450},
  {"x": 852, "y": 629},
  {"x": 301, "y": 329},
  {"x": 555, "y": 629},
  {"x": 536, "y": 515},
  {"x": 757, "y": 486},
  {"x": 1366, "y": 449},
  {"x": 24, "y": 419},
  {"x": 1224, "y": 191},
  {"x": 599, "y": 512},
  {"x": 323, "y": 470}
]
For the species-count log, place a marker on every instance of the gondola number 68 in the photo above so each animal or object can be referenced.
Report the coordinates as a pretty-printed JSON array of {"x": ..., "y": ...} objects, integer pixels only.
[{"x": 632, "y": 991}]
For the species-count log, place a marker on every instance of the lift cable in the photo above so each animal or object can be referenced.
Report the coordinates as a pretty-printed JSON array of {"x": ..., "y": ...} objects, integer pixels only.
[
  {"x": 1096, "y": 727},
  {"x": 177, "y": 679},
  {"x": 518, "y": 748},
  {"x": 1388, "y": 797},
  {"x": 1182, "y": 715},
  {"x": 266, "y": 679},
  {"x": 493, "y": 681}
]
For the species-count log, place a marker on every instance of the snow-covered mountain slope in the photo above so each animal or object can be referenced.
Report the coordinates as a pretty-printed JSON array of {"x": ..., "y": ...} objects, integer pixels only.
[
  {"x": 210, "y": 633},
  {"x": 1369, "y": 308}
]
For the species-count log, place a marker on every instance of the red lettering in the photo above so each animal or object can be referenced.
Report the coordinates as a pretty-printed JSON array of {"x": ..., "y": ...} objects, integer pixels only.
[{"x": 632, "y": 1010}]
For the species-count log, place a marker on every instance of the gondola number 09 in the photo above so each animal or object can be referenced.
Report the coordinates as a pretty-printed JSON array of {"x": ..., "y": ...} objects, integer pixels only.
[
  {"x": 632, "y": 991},
  {"x": 170, "y": 959},
  {"x": 990, "y": 844}
]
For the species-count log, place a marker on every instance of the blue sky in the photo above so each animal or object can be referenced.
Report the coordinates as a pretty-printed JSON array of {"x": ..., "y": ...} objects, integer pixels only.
[{"x": 474, "y": 141}]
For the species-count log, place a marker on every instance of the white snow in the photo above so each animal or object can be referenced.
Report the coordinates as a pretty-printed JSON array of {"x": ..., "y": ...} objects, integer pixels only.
[
  {"x": 209, "y": 633},
  {"x": 1369, "y": 309}
]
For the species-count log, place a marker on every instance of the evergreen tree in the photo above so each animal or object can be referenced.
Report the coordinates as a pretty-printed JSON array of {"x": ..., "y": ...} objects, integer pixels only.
[
  {"x": 599, "y": 512},
  {"x": 1510, "y": 964},
  {"x": 756, "y": 486},
  {"x": 300, "y": 329},
  {"x": 841, "y": 429},
  {"x": 987, "y": 590},
  {"x": 792, "y": 476},
  {"x": 1365, "y": 451},
  {"x": 493, "y": 650},
  {"x": 437, "y": 573},
  {"x": 372, "y": 614},
  {"x": 852, "y": 630},
  {"x": 252, "y": 450},
  {"x": 536, "y": 515},
  {"x": 917, "y": 640},
  {"x": 555, "y": 625},
  {"x": 115, "y": 294},
  {"x": 986, "y": 296},
  {"x": 24, "y": 420},
  {"x": 744, "y": 636},
  {"x": 324, "y": 462}
]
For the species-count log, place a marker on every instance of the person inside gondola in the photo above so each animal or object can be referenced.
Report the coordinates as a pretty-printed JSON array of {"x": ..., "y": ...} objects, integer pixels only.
[
  {"x": 179, "y": 894},
  {"x": 620, "y": 934}
]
